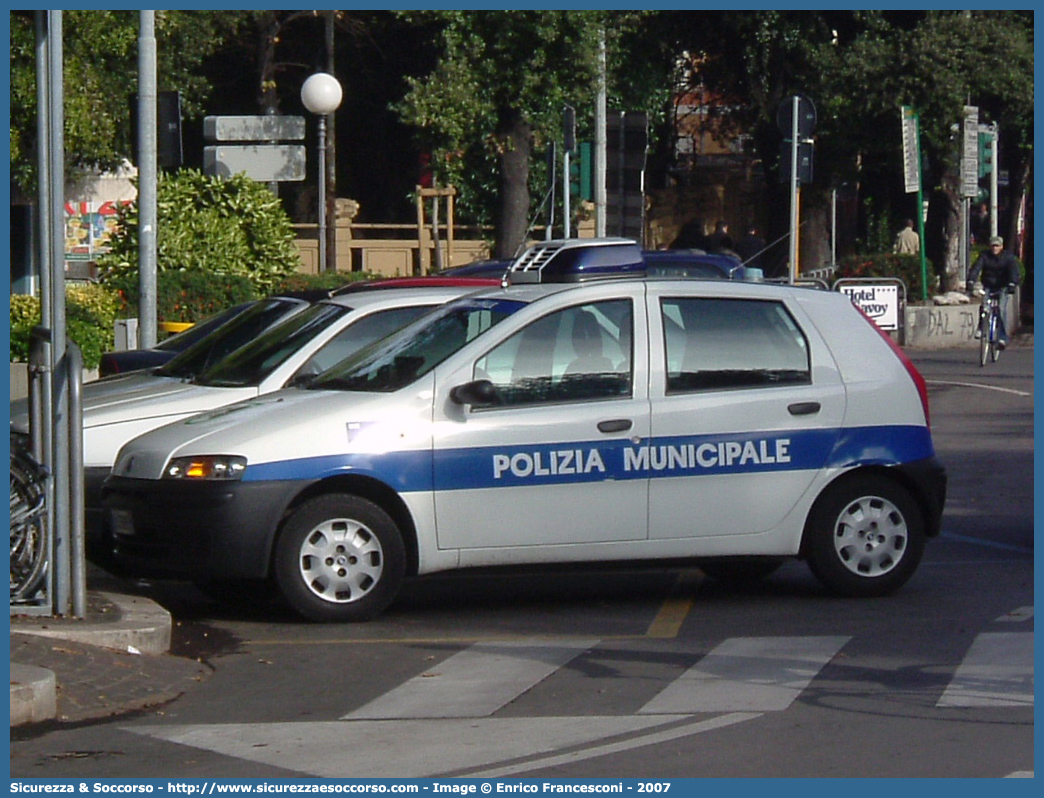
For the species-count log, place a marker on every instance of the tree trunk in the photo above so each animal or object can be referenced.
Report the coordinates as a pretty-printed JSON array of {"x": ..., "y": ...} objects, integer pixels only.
[
  {"x": 514, "y": 135},
  {"x": 950, "y": 275}
]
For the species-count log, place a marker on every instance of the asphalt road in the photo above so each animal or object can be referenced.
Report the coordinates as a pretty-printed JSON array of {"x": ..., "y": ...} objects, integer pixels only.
[{"x": 656, "y": 673}]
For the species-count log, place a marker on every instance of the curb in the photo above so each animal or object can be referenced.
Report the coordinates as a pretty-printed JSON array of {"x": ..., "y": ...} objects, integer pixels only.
[
  {"x": 34, "y": 694},
  {"x": 142, "y": 625}
]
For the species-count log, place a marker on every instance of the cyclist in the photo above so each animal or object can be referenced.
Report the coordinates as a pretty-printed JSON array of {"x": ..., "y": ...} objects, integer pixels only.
[{"x": 999, "y": 272}]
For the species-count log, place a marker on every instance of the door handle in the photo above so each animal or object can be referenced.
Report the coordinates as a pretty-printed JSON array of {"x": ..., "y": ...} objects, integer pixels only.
[
  {"x": 803, "y": 408},
  {"x": 616, "y": 425}
]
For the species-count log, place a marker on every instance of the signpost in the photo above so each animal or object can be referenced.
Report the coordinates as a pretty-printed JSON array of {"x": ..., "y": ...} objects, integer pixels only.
[
  {"x": 796, "y": 118},
  {"x": 912, "y": 179}
]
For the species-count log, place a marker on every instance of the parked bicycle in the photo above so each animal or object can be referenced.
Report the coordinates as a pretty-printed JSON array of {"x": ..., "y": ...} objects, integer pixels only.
[{"x": 29, "y": 546}]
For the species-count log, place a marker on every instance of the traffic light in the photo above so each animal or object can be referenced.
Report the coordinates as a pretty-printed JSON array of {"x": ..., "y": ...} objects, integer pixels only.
[
  {"x": 580, "y": 183},
  {"x": 985, "y": 153}
]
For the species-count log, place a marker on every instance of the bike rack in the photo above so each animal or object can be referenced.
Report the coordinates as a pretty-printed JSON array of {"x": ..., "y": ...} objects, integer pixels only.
[{"x": 65, "y": 570}]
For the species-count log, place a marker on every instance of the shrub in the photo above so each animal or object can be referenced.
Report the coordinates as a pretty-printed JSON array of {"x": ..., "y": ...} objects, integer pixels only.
[
  {"x": 904, "y": 267},
  {"x": 220, "y": 226},
  {"x": 186, "y": 295},
  {"x": 90, "y": 313},
  {"x": 323, "y": 280}
]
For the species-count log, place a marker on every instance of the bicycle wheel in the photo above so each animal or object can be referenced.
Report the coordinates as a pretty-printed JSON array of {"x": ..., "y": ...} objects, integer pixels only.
[
  {"x": 994, "y": 342},
  {"x": 984, "y": 338},
  {"x": 28, "y": 529}
]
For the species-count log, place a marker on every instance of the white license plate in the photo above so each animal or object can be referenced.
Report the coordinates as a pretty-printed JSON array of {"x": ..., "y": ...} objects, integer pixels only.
[{"x": 122, "y": 523}]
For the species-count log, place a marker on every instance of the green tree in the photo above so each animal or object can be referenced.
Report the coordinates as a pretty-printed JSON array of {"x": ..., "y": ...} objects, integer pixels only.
[
  {"x": 100, "y": 50},
  {"x": 213, "y": 225},
  {"x": 947, "y": 60},
  {"x": 496, "y": 94}
]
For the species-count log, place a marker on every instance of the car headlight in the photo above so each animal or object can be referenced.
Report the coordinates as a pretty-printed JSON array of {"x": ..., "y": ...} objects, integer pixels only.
[{"x": 214, "y": 467}]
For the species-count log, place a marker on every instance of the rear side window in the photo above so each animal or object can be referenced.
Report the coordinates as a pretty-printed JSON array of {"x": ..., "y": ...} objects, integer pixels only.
[{"x": 719, "y": 344}]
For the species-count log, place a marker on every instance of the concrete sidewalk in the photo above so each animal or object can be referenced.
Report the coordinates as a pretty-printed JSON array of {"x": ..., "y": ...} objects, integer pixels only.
[{"x": 115, "y": 660}]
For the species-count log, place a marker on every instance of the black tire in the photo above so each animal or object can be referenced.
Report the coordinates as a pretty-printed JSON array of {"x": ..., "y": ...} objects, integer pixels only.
[
  {"x": 864, "y": 537},
  {"x": 984, "y": 339},
  {"x": 339, "y": 558},
  {"x": 994, "y": 342},
  {"x": 741, "y": 572}
]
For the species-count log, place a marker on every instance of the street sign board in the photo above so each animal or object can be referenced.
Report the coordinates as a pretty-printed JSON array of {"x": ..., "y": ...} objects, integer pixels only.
[
  {"x": 911, "y": 150},
  {"x": 254, "y": 128},
  {"x": 970, "y": 152},
  {"x": 264, "y": 162},
  {"x": 806, "y": 112},
  {"x": 879, "y": 302}
]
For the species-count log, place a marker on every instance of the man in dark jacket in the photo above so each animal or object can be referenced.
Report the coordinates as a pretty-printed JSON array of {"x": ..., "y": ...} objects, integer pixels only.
[{"x": 998, "y": 271}]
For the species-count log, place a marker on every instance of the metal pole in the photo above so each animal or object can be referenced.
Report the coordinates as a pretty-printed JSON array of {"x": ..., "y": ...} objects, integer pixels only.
[
  {"x": 793, "y": 188},
  {"x": 59, "y": 362},
  {"x": 321, "y": 204},
  {"x": 147, "y": 169},
  {"x": 78, "y": 561},
  {"x": 600, "y": 144},
  {"x": 330, "y": 172},
  {"x": 994, "y": 163},
  {"x": 833, "y": 227},
  {"x": 40, "y": 434},
  {"x": 565, "y": 193}
]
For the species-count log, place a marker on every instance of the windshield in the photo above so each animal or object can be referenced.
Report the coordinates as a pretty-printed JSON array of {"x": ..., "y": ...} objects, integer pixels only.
[
  {"x": 183, "y": 340},
  {"x": 396, "y": 361},
  {"x": 250, "y": 364},
  {"x": 241, "y": 330}
]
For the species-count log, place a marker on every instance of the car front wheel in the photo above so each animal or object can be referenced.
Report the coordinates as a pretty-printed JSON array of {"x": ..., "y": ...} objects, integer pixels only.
[
  {"x": 864, "y": 537},
  {"x": 339, "y": 558}
]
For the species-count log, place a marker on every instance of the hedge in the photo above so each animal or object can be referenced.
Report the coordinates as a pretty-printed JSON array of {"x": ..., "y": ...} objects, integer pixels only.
[{"x": 90, "y": 316}]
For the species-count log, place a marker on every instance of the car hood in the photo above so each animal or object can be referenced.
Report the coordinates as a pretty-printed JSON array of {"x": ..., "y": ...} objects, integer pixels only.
[
  {"x": 163, "y": 398},
  {"x": 291, "y": 424},
  {"x": 98, "y": 393}
]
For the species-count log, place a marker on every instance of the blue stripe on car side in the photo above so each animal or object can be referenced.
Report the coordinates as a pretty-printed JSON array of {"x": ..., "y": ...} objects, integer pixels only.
[{"x": 594, "y": 461}]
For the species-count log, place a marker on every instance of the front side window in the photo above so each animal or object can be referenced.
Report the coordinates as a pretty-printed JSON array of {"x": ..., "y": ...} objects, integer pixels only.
[
  {"x": 716, "y": 344},
  {"x": 580, "y": 353},
  {"x": 407, "y": 355}
]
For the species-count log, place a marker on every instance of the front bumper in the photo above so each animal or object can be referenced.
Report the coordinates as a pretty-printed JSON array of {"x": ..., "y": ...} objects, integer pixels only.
[{"x": 221, "y": 530}]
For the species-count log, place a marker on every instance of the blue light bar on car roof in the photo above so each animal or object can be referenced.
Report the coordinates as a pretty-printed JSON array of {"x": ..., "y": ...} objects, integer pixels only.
[{"x": 577, "y": 260}]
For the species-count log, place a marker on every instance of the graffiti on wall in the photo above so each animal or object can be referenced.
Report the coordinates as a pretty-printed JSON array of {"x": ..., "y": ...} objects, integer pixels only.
[{"x": 948, "y": 324}]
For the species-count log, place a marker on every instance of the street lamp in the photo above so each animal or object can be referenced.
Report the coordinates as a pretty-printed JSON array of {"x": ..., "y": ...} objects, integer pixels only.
[{"x": 321, "y": 95}]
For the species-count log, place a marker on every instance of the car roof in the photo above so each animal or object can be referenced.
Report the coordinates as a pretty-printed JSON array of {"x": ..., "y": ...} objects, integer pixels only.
[
  {"x": 433, "y": 291},
  {"x": 386, "y": 283}
]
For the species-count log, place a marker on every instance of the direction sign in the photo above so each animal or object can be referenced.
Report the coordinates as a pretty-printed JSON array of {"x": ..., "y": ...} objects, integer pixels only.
[
  {"x": 265, "y": 162},
  {"x": 911, "y": 150},
  {"x": 254, "y": 128},
  {"x": 970, "y": 153}
]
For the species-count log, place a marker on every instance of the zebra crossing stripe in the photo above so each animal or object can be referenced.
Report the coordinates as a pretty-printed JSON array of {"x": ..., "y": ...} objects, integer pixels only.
[
  {"x": 475, "y": 682},
  {"x": 997, "y": 671},
  {"x": 747, "y": 674}
]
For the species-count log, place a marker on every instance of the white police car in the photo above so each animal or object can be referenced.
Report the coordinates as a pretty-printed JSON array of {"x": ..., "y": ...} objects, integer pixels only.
[{"x": 614, "y": 420}]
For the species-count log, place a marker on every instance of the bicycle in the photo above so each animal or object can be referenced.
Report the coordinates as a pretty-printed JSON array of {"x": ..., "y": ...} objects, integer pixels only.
[
  {"x": 990, "y": 326},
  {"x": 28, "y": 525}
]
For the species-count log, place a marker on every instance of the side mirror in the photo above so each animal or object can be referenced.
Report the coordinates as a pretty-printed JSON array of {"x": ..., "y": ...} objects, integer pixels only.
[{"x": 477, "y": 392}]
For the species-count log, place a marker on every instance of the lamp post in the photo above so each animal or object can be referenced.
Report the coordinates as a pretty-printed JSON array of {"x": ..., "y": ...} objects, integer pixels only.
[{"x": 321, "y": 95}]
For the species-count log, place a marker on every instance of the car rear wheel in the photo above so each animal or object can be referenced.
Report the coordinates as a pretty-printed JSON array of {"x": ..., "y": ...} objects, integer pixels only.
[
  {"x": 339, "y": 558},
  {"x": 864, "y": 537}
]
